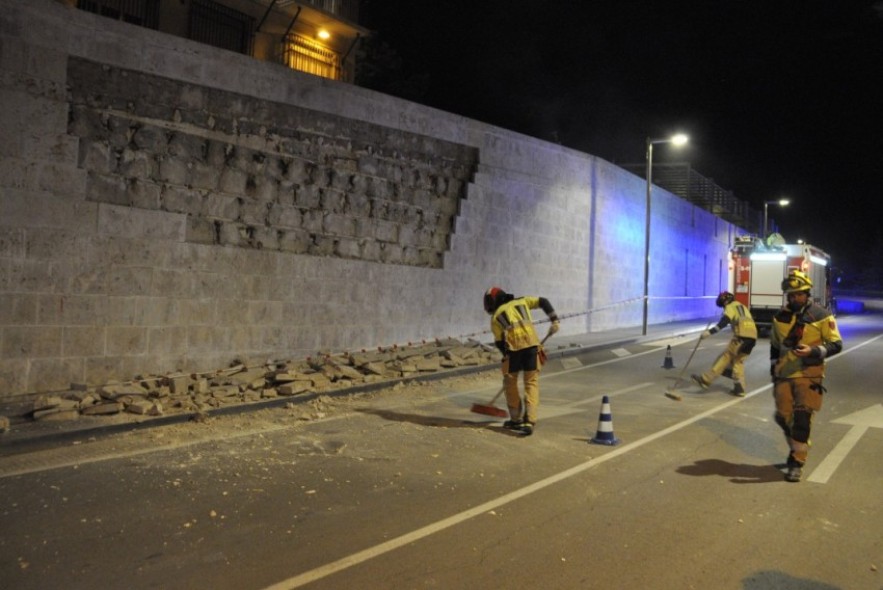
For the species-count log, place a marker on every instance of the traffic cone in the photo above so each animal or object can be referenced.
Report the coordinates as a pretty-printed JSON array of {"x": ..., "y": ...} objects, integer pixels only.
[
  {"x": 604, "y": 434},
  {"x": 668, "y": 363}
]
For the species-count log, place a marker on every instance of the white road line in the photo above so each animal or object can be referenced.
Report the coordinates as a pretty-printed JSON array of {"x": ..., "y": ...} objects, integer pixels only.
[
  {"x": 829, "y": 465},
  {"x": 372, "y": 552},
  {"x": 832, "y": 461}
]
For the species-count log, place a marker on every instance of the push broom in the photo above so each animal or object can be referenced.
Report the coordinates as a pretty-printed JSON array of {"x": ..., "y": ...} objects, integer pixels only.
[
  {"x": 670, "y": 393},
  {"x": 490, "y": 409}
]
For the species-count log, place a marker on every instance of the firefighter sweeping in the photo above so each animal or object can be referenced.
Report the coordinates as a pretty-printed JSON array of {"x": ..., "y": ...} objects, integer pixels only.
[
  {"x": 516, "y": 337},
  {"x": 731, "y": 362}
]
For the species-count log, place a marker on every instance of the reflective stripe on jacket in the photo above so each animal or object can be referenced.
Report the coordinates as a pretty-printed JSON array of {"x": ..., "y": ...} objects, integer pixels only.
[
  {"x": 512, "y": 324},
  {"x": 815, "y": 327},
  {"x": 738, "y": 315}
]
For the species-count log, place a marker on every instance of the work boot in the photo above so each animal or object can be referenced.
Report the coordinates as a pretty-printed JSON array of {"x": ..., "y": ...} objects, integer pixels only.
[
  {"x": 513, "y": 424},
  {"x": 697, "y": 379},
  {"x": 795, "y": 471},
  {"x": 738, "y": 390},
  {"x": 527, "y": 428},
  {"x": 728, "y": 373}
]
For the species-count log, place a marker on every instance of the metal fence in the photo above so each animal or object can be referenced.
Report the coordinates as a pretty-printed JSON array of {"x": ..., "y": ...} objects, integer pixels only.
[
  {"x": 303, "y": 54},
  {"x": 680, "y": 179},
  {"x": 214, "y": 24}
]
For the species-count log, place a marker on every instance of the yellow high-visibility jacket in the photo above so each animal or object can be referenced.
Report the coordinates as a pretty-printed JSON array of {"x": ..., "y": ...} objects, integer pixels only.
[
  {"x": 740, "y": 318},
  {"x": 814, "y": 326},
  {"x": 512, "y": 324}
]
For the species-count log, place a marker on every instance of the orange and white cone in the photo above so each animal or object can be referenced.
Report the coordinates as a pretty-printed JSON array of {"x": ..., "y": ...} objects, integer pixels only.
[{"x": 604, "y": 434}]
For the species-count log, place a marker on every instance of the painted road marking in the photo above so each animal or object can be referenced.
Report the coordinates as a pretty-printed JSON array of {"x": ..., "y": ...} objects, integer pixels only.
[
  {"x": 871, "y": 417},
  {"x": 372, "y": 552}
]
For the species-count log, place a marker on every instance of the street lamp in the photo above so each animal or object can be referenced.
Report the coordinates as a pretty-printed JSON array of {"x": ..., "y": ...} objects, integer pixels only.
[
  {"x": 766, "y": 205},
  {"x": 676, "y": 140}
]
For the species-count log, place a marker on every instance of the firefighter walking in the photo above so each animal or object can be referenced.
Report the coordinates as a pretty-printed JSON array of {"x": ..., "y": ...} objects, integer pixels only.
[
  {"x": 803, "y": 335},
  {"x": 516, "y": 337},
  {"x": 731, "y": 361}
]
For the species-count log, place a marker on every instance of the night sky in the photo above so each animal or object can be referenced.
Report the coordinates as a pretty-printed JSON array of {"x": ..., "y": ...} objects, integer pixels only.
[{"x": 779, "y": 97}]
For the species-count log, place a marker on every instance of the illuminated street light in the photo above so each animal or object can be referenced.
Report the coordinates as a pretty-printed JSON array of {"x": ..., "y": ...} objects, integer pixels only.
[
  {"x": 676, "y": 140},
  {"x": 766, "y": 205}
]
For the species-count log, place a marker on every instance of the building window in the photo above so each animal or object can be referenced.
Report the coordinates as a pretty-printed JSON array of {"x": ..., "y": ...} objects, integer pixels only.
[
  {"x": 306, "y": 55},
  {"x": 219, "y": 26},
  {"x": 347, "y": 9},
  {"x": 144, "y": 13}
]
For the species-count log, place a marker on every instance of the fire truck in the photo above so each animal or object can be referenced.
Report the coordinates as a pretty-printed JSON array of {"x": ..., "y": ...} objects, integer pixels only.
[{"x": 756, "y": 270}]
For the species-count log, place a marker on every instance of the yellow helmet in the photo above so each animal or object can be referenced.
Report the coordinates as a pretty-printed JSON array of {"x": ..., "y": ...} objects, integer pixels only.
[{"x": 796, "y": 281}]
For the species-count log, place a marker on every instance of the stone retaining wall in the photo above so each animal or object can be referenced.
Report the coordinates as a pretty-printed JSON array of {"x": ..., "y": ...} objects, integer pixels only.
[{"x": 167, "y": 207}]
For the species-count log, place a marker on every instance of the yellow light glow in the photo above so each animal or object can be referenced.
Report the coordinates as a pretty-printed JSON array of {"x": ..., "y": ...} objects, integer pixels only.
[
  {"x": 323, "y": 34},
  {"x": 679, "y": 139}
]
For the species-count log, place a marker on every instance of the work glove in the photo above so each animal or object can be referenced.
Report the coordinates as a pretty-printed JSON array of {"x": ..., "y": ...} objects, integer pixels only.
[
  {"x": 773, "y": 370},
  {"x": 704, "y": 334},
  {"x": 554, "y": 327}
]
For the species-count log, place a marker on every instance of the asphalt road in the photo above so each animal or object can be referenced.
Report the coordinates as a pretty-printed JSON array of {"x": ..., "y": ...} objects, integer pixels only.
[{"x": 406, "y": 488}]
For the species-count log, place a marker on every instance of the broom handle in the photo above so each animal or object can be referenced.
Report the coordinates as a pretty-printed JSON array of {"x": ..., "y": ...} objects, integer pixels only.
[{"x": 695, "y": 348}]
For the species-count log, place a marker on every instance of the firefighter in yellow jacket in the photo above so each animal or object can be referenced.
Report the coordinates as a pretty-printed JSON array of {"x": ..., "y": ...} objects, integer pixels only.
[
  {"x": 730, "y": 363},
  {"x": 516, "y": 337},
  {"x": 803, "y": 335}
]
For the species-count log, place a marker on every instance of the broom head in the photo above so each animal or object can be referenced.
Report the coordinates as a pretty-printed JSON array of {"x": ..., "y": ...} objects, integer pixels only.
[{"x": 489, "y": 410}]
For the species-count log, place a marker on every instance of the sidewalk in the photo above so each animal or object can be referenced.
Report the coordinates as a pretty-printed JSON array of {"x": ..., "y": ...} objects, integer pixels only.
[{"x": 34, "y": 434}]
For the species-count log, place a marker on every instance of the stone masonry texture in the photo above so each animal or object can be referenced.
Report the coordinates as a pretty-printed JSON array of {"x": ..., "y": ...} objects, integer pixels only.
[{"x": 169, "y": 208}]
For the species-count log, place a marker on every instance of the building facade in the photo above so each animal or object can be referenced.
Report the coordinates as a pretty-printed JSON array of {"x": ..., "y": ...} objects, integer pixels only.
[{"x": 314, "y": 36}]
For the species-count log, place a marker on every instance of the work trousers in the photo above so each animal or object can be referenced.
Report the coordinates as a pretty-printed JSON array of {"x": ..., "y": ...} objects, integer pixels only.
[
  {"x": 524, "y": 362},
  {"x": 733, "y": 358},
  {"x": 797, "y": 400}
]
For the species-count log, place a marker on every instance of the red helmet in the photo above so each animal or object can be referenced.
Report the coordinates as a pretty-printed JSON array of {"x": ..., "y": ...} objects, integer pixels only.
[
  {"x": 724, "y": 298},
  {"x": 493, "y": 297}
]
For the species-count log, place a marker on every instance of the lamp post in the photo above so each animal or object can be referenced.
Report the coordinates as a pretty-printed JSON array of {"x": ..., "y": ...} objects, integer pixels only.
[
  {"x": 676, "y": 140},
  {"x": 766, "y": 205}
]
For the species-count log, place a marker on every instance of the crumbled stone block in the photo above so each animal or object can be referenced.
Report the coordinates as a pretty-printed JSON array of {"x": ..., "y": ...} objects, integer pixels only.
[
  {"x": 113, "y": 392},
  {"x": 4, "y": 424},
  {"x": 145, "y": 408},
  {"x": 295, "y": 387},
  {"x": 428, "y": 365},
  {"x": 374, "y": 368},
  {"x": 46, "y": 402},
  {"x": 88, "y": 400},
  {"x": 286, "y": 377},
  {"x": 103, "y": 409},
  {"x": 347, "y": 372},
  {"x": 179, "y": 383},
  {"x": 225, "y": 392},
  {"x": 56, "y": 415},
  {"x": 320, "y": 380}
]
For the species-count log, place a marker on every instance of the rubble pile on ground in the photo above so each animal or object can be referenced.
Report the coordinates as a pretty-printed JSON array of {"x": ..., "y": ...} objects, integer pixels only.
[{"x": 189, "y": 392}]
